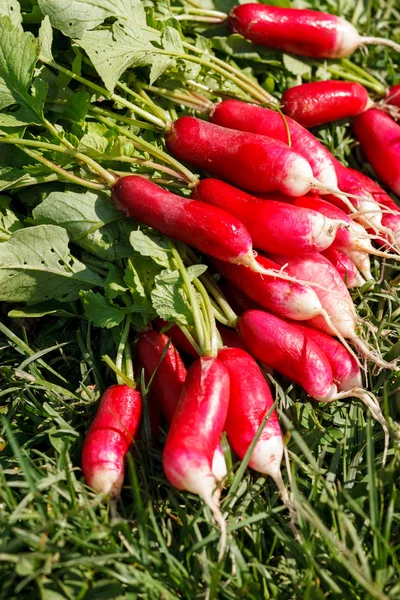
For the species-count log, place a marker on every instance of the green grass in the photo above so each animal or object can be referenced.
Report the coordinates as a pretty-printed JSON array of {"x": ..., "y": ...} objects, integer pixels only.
[{"x": 57, "y": 540}]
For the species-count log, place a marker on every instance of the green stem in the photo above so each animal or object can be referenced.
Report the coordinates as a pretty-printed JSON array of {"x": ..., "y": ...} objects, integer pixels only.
[
  {"x": 149, "y": 102},
  {"x": 104, "y": 174},
  {"x": 153, "y": 150},
  {"x": 192, "y": 298},
  {"x": 190, "y": 338},
  {"x": 199, "y": 11},
  {"x": 199, "y": 19},
  {"x": 338, "y": 72},
  {"x": 122, "y": 343},
  {"x": 65, "y": 174},
  {"x": 211, "y": 319},
  {"x": 104, "y": 92},
  {"x": 144, "y": 100},
  {"x": 184, "y": 98},
  {"x": 121, "y": 377},
  {"x": 53, "y": 130},
  {"x": 96, "y": 110},
  {"x": 147, "y": 163},
  {"x": 128, "y": 361},
  {"x": 362, "y": 72}
]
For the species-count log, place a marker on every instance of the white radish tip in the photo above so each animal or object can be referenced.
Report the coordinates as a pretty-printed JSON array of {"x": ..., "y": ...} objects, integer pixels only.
[
  {"x": 219, "y": 469},
  {"x": 330, "y": 396},
  {"x": 107, "y": 480},
  {"x": 266, "y": 459}
]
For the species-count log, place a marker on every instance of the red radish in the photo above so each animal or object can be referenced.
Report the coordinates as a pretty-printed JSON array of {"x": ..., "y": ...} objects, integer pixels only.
[
  {"x": 249, "y": 401},
  {"x": 109, "y": 438},
  {"x": 345, "y": 267},
  {"x": 334, "y": 297},
  {"x": 234, "y": 114},
  {"x": 230, "y": 338},
  {"x": 236, "y": 298},
  {"x": 346, "y": 372},
  {"x": 284, "y": 348},
  {"x": 253, "y": 162},
  {"x": 207, "y": 228},
  {"x": 351, "y": 240},
  {"x": 177, "y": 336},
  {"x": 390, "y": 210},
  {"x": 393, "y": 95},
  {"x": 379, "y": 137},
  {"x": 169, "y": 375},
  {"x": 195, "y": 431},
  {"x": 290, "y": 300},
  {"x": 274, "y": 226},
  {"x": 319, "y": 102},
  {"x": 305, "y": 32}
]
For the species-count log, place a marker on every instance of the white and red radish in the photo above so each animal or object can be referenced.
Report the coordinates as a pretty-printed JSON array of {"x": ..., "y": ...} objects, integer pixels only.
[
  {"x": 379, "y": 138},
  {"x": 345, "y": 267},
  {"x": 207, "y": 228},
  {"x": 290, "y": 300},
  {"x": 319, "y": 102},
  {"x": 335, "y": 299},
  {"x": 283, "y": 347},
  {"x": 393, "y": 95},
  {"x": 109, "y": 438},
  {"x": 167, "y": 372},
  {"x": 234, "y": 114},
  {"x": 177, "y": 336},
  {"x": 254, "y": 162},
  {"x": 195, "y": 431},
  {"x": 299, "y": 31},
  {"x": 249, "y": 401},
  {"x": 274, "y": 226}
]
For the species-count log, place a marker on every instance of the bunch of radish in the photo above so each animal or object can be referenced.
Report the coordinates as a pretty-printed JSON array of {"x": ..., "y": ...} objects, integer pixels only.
[{"x": 270, "y": 187}]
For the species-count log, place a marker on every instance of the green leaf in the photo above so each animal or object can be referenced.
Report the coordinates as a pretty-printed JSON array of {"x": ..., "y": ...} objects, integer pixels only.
[
  {"x": 151, "y": 246},
  {"x": 42, "y": 309},
  {"x": 91, "y": 220},
  {"x": 296, "y": 66},
  {"x": 93, "y": 145},
  {"x": 169, "y": 299},
  {"x": 237, "y": 46},
  {"x": 74, "y": 17},
  {"x": 46, "y": 40},
  {"x": 36, "y": 265},
  {"x": 139, "y": 277},
  {"x": 12, "y": 10},
  {"x": 8, "y": 219},
  {"x": 99, "y": 311},
  {"x": 9, "y": 176},
  {"x": 77, "y": 107},
  {"x": 19, "y": 53},
  {"x": 112, "y": 52},
  {"x": 115, "y": 285}
]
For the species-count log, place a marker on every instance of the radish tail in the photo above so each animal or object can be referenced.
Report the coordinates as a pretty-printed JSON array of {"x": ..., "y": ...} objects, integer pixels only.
[
  {"x": 382, "y": 41},
  {"x": 372, "y": 404},
  {"x": 337, "y": 333},
  {"x": 250, "y": 261},
  {"x": 373, "y": 356},
  {"x": 210, "y": 495}
]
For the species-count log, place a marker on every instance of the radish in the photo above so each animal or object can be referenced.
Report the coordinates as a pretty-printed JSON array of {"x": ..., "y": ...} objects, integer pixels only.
[
  {"x": 237, "y": 299},
  {"x": 195, "y": 431},
  {"x": 168, "y": 374},
  {"x": 283, "y": 347},
  {"x": 274, "y": 226},
  {"x": 390, "y": 210},
  {"x": 379, "y": 137},
  {"x": 346, "y": 372},
  {"x": 234, "y": 114},
  {"x": 229, "y": 337},
  {"x": 290, "y": 300},
  {"x": 177, "y": 336},
  {"x": 393, "y": 95},
  {"x": 345, "y": 267},
  {"x": 207, "y": 228},
  {"x": 319, "y": 102},
  {"x": 305, "y": 32},
  {"x": 109, "y": 438},
  {"x": 253, "y": 162},
  {"x": 334, "y": 297},
  {"x": 249, "y": 401}
]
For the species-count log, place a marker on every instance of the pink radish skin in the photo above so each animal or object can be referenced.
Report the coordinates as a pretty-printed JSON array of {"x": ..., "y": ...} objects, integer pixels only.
[
  {"x": 345, "y": 267},
  {"x": 230, "y": 338},
  {"x": 249, "y": 401},
  {"x": 195, "y": 431},
  {"x": 274, "y": 226},
  {"x": 379, "y": 138},
  {"x": 334, "y": 297},
  {"x": 283, "y": 347},
  {"x": 298, "y": 31},
  {"x": 313, "y": 104},
  {"x": 168, "y": 382},
  {"x": 234, "y": 114},
  {"x": 253, "y": 162},
  {"x": 109, "y": 438},
  {"x": 290, "y": 300},
  {"x": 178, "y": 338}
]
